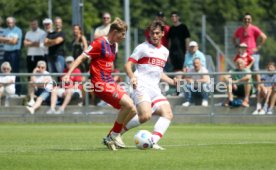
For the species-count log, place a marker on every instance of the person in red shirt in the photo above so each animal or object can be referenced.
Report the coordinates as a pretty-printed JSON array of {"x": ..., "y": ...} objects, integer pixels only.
[
  {"x": 253, "y": 37},
  {"x": 102, "y": 52},
  {"x": 249, "y": 61},
  {"x": 66, "y": 90}
]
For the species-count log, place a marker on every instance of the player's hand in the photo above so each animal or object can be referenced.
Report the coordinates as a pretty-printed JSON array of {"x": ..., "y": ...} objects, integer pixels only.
[
  {"x": 66, "y": 78},
  {"x": 133, "y": 82},
  {"x": 176, "y": 81}
]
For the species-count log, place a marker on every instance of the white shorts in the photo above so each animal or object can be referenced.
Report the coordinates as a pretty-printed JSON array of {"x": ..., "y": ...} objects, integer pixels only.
[
  {"x": 7, "y": 91},
  {"x": 149, "y": 94},
  {"x": 61, "y": 92}
]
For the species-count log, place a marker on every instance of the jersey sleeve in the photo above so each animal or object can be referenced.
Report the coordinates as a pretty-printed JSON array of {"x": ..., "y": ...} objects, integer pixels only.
[
  {"x": 93, "y": 50},
  {"x": 136, "y": 55}
]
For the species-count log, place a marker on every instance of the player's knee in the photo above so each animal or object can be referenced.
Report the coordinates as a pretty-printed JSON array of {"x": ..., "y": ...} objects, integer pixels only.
[{"x": 144, "y": 118}]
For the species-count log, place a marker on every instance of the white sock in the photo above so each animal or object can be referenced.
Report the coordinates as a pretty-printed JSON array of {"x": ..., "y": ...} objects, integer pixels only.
[
  {"x": 259, "y": 106},
  {"x": 160, "y": 128},
  {"x": 134, "y": 122}
]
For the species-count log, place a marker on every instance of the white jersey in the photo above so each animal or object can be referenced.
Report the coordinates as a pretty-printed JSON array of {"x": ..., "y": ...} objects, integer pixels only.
[
  {"x": 150, "y": 61},
  {"x": 46, "y": 80}
]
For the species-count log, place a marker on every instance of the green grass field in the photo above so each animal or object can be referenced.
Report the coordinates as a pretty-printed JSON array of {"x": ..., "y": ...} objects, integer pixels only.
[{"x": 78, "y": 146}]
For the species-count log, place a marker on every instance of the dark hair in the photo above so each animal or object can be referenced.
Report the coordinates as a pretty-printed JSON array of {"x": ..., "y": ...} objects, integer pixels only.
[
  {"x": 247, "y": 13},
  {"x": 157, "y": 23},
  {"x": 118, "y": 25},
  {"x": 77, "y": 25},
  {"x": 174, "y": 13}
]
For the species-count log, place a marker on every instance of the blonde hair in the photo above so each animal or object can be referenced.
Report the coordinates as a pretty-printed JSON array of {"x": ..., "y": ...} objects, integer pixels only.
[
  {"x": 118, "y": 25},
  {"x": 6, "y": 64}
]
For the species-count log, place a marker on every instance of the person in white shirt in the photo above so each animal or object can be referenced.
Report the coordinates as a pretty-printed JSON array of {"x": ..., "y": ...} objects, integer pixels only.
[
  {"x": 149, "y": 59},
  {"x": 7, "y": 83},
  {"x": 34, "y": 42},
  {"x": 197, "y": 83},
  {"x": 40, "y": 85},
  {"x": 103, "y": 29}
]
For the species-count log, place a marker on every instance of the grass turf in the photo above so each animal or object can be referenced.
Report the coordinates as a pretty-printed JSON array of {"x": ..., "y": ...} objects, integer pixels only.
[{"x": 78, "y": 146}]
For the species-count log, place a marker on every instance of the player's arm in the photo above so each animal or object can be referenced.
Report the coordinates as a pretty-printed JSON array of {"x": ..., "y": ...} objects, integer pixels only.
[
  {"x": 235, "y": 41},
  {"x": 167, "y": 79},
  {"x": 28, "y": 43},
  {"x": 128, "y": 69},
  {"x": 11, "y": 41},
  {"x": 263, "y": 38},
  {"x": 75, "y": 64},
  {"x": 204, "y": 79},
  {"x": 50, "y": 42},
  {"x": 84, "y": 42},
  {"x": 245, "y": 78},
  {"x": 3, "y": 40},
  {"x": 251, "y": 63}
]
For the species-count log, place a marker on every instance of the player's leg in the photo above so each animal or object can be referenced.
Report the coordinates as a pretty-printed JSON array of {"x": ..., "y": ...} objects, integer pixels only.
[
  {"x": 143, "y": 114},
  {"x": 127, "y": 107},
  {"x": 267, "y": 98},
  {"x": 272, "y": 101},
  {"x": 247, "y": 90},
  {"x": 162, "y": 124},
  {"x": 54, "y": 97},
  {"x": 141, "y": 97},
  {"x": 67, "y": 99}
]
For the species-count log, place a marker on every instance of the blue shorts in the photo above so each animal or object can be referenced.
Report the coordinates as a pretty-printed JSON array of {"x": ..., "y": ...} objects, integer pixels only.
[{"x": 44, "y": 94}]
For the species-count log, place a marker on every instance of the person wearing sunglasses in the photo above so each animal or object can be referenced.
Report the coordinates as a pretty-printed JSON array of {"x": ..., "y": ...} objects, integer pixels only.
[{"x": 103, "y": 29}]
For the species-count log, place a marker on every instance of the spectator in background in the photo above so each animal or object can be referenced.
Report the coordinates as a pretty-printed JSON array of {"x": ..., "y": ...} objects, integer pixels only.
[
  {"x": 67, "y": 90},
  {"x": 242, "y": 54},
  {"x": 1, "y": 44},
  {"x": 48, "y": 28},
  {"x": 199, "y": 84},
  {"x": 55, "y": 42},
  {"x": 103, "y": 29},
  {"x": 79, "y": 44},
  {"x": 250, "y": 34},
  {"x": 179, "y": 37},
  {"x": 12, "y": 40},
  {"x": 192, "y": 53},
  {"x": 34, "y": 40},
  {"x": 40, "y": 86},
  {"x": 272, "y": 98},
  {"x": 265, "y": 89},
  {"x": 240, "y": 90},
  {"x": 7, "y": 86}
]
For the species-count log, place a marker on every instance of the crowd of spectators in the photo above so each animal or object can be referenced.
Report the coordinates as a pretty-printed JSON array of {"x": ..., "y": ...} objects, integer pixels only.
[{"x": 45, "y": 54}]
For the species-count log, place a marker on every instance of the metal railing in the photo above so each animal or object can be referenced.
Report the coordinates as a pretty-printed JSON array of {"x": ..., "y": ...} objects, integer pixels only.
[{"x": 212, "y": 110}]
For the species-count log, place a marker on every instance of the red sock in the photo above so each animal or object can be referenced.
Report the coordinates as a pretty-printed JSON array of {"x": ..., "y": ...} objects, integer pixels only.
[{"x": 117, "y": 127}]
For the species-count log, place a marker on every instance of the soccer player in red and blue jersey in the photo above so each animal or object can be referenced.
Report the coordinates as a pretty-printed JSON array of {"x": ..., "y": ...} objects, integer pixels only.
[{"x": 102, "y": 52}]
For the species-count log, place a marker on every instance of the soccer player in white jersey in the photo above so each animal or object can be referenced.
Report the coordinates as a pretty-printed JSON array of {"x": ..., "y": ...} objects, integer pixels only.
[{"x": 149, "y": 59}]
